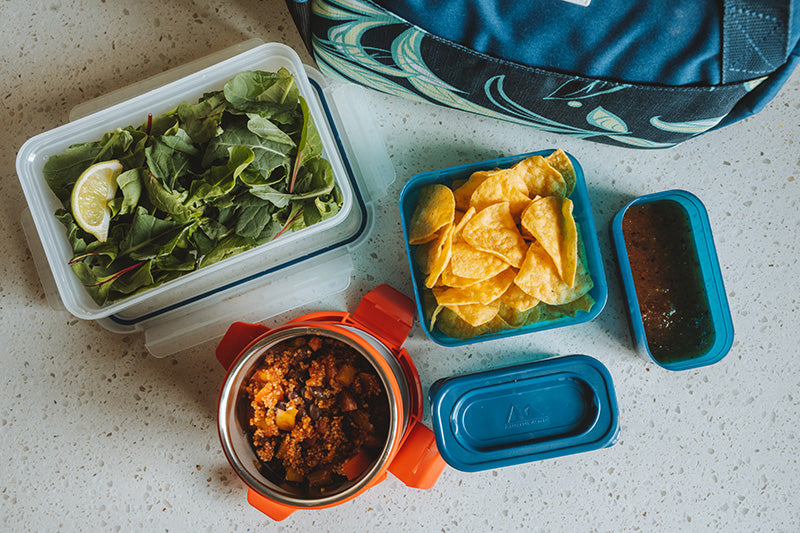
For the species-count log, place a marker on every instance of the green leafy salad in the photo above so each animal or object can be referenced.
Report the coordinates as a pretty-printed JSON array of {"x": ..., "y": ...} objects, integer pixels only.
[{"x": 198, "y": 184}]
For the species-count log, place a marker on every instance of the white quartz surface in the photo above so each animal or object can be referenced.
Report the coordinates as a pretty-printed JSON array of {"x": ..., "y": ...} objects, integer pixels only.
[{"x": 98, "y": 435}]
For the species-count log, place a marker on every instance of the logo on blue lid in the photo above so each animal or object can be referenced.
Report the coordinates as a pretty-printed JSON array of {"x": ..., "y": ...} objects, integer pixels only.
[{"x": 525, "y": 415}]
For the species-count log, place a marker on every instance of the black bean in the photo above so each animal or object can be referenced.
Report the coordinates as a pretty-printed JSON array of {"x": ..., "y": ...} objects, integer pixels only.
[
  {"x": 313, "y": 411},
  {"x": 292, "y": 394},
  {"x": 281, "y": 405}
]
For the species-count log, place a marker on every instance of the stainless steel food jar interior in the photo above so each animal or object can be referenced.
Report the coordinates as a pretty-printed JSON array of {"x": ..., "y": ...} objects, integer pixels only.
[{"x": 234, "y": 434}]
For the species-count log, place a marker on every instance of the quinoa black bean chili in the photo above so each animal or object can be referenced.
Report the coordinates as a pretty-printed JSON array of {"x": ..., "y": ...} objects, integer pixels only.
[{"x": 315, "y": 405}]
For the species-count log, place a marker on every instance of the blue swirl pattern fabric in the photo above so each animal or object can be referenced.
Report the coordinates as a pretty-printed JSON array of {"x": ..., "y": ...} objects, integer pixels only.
[{"x": 362, "y": 42}]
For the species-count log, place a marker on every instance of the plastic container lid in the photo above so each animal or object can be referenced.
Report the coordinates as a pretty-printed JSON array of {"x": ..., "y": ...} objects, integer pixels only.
[
  {"x": 298, "y": 268},
  {"x": 524, "y": 413},
  {"x": 713, "y": 310},
  {"x": 582, "y": 212}
]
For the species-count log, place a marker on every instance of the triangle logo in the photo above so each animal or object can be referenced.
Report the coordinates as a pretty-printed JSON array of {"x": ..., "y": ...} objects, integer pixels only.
[{"x": 522, "y": 414}]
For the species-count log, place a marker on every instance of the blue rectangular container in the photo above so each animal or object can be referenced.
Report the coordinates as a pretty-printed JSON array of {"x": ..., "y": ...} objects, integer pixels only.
[
  {"x": 524, "y": 413},
  {"x": 582, "y": 213},
  {"x": 717, "y": 338}
]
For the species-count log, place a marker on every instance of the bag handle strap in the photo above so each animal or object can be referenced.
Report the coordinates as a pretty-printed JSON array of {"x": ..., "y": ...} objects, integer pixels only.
[
  {"x": 755, "y": 38},
  {"x": 301, "y": 14}
]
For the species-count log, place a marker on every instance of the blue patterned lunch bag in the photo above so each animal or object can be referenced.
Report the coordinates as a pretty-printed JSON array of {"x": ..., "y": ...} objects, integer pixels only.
[{"x": 637, "y": 73}]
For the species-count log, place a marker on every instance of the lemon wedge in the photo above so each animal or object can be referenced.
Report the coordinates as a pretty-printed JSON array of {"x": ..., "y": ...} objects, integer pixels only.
[{"x": 90, "y": 195}]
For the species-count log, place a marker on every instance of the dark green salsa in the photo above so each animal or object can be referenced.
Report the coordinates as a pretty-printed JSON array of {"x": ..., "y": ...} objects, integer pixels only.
[{"x": 669, "y": 285}]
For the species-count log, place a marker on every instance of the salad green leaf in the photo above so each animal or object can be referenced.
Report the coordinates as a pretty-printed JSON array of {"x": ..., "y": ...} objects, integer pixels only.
[
  {"x": 273, "y": 95},
  {"x": 205, "y": 181},
  {"x": 130, "y": 183}
]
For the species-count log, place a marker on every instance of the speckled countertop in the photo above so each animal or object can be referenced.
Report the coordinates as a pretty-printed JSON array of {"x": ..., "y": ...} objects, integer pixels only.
[{"x": 98, "y": 435}]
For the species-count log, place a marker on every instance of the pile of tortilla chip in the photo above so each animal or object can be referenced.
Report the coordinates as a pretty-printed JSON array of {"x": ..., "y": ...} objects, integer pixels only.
[{"x": 501, "y": 250}]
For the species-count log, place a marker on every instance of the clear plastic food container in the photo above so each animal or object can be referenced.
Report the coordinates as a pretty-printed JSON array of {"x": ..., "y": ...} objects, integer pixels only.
[{"x": 295, "y": 269}]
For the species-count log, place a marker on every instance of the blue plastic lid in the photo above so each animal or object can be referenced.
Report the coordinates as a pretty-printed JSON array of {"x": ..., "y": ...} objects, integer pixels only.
[
  {"x": 524, "y": 413},
  {"x": 708, "y": 334}
]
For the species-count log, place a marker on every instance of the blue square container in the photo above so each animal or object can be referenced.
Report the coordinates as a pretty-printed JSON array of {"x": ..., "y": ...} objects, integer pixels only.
[
  {"x": 719, "y": 339},
  {"x": 582, "y": 212},
  {"x": 523, "y": 413}
]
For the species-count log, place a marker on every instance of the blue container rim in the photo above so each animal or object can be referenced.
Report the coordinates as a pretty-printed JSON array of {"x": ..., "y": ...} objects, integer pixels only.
[
  {"x": 583, "y": 215},
  {"x": 709, "y": 268}
]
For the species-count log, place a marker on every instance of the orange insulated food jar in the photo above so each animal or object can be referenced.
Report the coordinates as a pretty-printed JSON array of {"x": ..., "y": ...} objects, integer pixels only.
[{"x": 316, "y": 411}]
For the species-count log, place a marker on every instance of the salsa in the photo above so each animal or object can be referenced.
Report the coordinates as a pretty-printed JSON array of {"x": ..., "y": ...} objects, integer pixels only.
[
  {"x": 319, "y": 414},
  {"x": 669, "y": 286}
]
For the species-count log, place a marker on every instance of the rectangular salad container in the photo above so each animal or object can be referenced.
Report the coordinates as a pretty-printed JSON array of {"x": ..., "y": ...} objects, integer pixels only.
[
  {"x": 523, "y": 413},
  {"x": 296, "y": 268},
  {"x": 582, "y": 212},
  {"x": 709, "y": 319}
]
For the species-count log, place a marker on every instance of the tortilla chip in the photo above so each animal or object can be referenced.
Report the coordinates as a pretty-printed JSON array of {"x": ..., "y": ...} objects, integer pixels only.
[
  {"x": 435, "y": 314},
  {"x": 451, "y": 280},
  {"x": 435, "y": 209},
  {"x": 422, "y": 257},
  {"x": 549, "y": 312},
  {"x": 541, "y": 178},
  {"x": 462, "y": 222},
  {"x": 476, "y": 314},
  {"x": 454, "y": 326},
  {"x": 516, "y": 318},
  {"x": 439, "y": 255},
  {"x": 430, "y": 308},
  {"x": 469, "y": 262},
  {"x": 483, "y": 292},
  {"x": 549, "y": 220},
  {"x": 560, "y": 161},
  {"x": 463, "y": 192},
  {"x": 458, "y": 215},
  {"x": 518, "y": 299},
  {"x": 539, "y": 277},
  {"x": 493, "y": 230},
  {"x": 570, "y": 309},
  {"x": 502, "y": 187}
]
